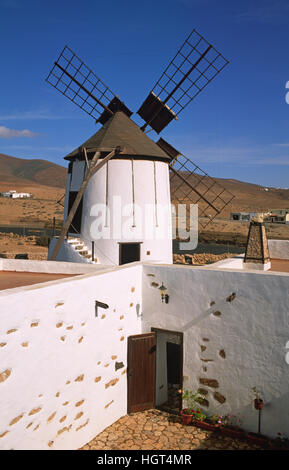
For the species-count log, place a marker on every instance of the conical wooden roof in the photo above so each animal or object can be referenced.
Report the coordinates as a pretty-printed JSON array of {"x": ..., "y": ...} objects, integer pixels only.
[{"x": 121, "y": 131}]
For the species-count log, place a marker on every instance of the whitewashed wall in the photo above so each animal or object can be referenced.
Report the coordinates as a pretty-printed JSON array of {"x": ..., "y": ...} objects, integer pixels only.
[
  {"x": 279, "y": 249},
  {"x": 241, "y": 346},
  {"x": 59, "y": 385},
  {"x": 115, "y": 179}
]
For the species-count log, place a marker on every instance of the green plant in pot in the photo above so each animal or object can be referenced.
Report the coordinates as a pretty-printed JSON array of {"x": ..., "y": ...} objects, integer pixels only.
[
  {"x": 230, "y": 425},
  {"x": 192, "y": 412}
]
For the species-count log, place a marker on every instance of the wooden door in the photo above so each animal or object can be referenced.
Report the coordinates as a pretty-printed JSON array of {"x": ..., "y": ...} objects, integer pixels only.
[{"x": 141, "y": 372}]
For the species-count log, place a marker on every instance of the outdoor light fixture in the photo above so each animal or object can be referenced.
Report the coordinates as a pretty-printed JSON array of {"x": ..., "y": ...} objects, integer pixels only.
[
  {"x": 101, "y": 305},
  {"x": 164, "y": 294}
]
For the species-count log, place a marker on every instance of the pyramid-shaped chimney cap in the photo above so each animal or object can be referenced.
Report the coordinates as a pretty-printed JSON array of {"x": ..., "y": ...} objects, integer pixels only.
[{"x": 121, "y": 131}]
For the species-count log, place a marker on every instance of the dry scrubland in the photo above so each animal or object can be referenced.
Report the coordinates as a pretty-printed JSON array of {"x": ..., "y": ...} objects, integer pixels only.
[{"x": 39, "y": 212}]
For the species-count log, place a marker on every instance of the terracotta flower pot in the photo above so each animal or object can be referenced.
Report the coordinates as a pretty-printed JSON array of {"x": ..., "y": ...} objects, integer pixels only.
[
  {"x": 234, "y": 433},
  {"x": 257, "y": 438},
  {"x": 207, "y": 426},
  {"x": 258, "y": 403},
  {"x": 186, "y": 418}
]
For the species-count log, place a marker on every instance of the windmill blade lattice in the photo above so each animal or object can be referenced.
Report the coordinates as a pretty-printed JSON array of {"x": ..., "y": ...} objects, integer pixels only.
[
  {"x": 191, "y": 185},
  {"x": 71, "y": 77},
  {"x": 194, "y": 66}
]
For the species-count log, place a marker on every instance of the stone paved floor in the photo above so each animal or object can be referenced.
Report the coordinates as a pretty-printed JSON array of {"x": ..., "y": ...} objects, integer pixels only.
[{"x": 156, "y": 430}]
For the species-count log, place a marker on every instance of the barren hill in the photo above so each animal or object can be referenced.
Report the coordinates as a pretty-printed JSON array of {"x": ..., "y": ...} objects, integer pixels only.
[{"x": 20, "y": 173}]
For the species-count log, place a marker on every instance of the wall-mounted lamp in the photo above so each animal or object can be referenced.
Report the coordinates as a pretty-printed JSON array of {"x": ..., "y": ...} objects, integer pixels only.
[
  {"x": 164, "y": 294},
  {"x": 99, "y": 304}
]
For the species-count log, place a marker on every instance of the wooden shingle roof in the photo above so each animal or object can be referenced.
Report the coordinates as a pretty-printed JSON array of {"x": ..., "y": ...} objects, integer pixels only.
[{"x": 121, "y": 131}]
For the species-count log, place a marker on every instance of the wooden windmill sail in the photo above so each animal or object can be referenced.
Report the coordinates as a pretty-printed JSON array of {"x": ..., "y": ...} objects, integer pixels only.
[{"x": 194, "y": 66}]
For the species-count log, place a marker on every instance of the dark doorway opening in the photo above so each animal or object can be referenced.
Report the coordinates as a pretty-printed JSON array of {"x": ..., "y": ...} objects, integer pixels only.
[
  {"x": 75, "y": 226},
  {"x": 129, "y": 252},
  {"x": 169, "y": 370}
]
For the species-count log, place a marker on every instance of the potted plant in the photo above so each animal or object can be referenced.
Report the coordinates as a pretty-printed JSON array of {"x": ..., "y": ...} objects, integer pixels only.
[
  {"x": 210, "y": 423},
  {"x": 258, "y": 402},
  {"x": 230, "y": 425},
  {"x": 191, "y": 408}
]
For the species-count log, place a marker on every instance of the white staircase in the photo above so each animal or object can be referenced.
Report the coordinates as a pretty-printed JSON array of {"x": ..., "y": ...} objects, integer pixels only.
[{"x": 81, "y": 249}]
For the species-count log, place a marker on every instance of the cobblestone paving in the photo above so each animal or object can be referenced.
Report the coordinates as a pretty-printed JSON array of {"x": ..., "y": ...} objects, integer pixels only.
[{"x": 156, "y": 430}]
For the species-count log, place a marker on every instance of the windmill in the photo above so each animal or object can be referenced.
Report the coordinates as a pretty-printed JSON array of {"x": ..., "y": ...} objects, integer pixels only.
[{"x": 193, "y": 67}]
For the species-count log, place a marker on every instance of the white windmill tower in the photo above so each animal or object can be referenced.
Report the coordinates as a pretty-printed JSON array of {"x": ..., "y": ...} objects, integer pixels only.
[{"x": 118, "y": 197}]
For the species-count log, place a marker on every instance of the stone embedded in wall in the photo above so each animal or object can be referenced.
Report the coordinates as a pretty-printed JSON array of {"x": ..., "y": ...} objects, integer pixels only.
[
  {"x": 25, "y": 344},
  {"x": 209, "y": 382},
  {"x": 69, "y": 327},
  {"x": 203, "y": 402},
  {"x": 108, "y": 404},
  {"x": 67, "y": 382},
  {"x": 103, "y": 316},
  {"x": 131, "y": 304},
  {"x": 97, "y": 379},
  {"x": 50, "y": 443},
  {"x": 34, "y": 324},
  {"x": 79, "y": 378},
  {"x": 59, "y": 324},
  {"x": 203, "y": 348},
  {"x": 231, "y": 297},
  {"x": 36, "y": 427},
  {"x": 59, "y": 304},
  {"x": 154, "y": 284},
  {"x": 67, "y": 428},
  {"x": 219, "y": 397},
  {"x": 11, "y": 331},
  {"x": 5, "y": 375},
  {"x": 78, "y": 415},
  {"x": 132, "y": 289},
  {"x": 65, "y": 403},
  {"x": 2, "y": 345},
  {"x": 151, "y": 275},
  {"x": 113, "y": 357},
  {"x": 15, "y": 420},
  {"x": 34, "y": 411},
  {"x": 206, "y": 339},
  {"x": 217, "y": 313},
  {"x": 212, "y": 303},
  {"x": 3, "y": 434},
  {"x": 106, "y": 365},
  {"x": 62, "y": 338},
  {"x": 203, "y": 391},
  {"x": 119, "y": 365},
  {"x": 122, "y": 338},
  {"x": 222, "y": 353},
  {"x": 79, "y": 403},
  {"x": 204, "y": 369},
  {"x": 62, "y": 419},
  {"x": 82, "y": 324},
  {"x": 121, "y": 317},
  {"x": 207, "y": 360},
  {"x": 82, "y": 425},
  {"x": 29, "y": 425},
  {"x": 80, "y": 339},
  {"x": 57, "y": 394},
  {"x": 50, "y": 418},
  {"x": 111, "y": 383}
]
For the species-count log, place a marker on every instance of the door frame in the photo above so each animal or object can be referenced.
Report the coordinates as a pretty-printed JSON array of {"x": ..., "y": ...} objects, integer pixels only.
[{"x": 181, "y": 336}]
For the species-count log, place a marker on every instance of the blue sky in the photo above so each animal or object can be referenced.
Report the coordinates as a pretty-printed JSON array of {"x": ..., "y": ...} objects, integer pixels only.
[{"x": 238, "y": 127}]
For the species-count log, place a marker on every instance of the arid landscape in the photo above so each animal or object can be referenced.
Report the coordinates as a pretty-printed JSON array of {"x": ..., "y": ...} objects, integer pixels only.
[{"x": 46, "y": 181}]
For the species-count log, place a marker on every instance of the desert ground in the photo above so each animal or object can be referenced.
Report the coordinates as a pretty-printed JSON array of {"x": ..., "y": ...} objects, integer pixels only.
[{"x": 46, "y": 181}]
